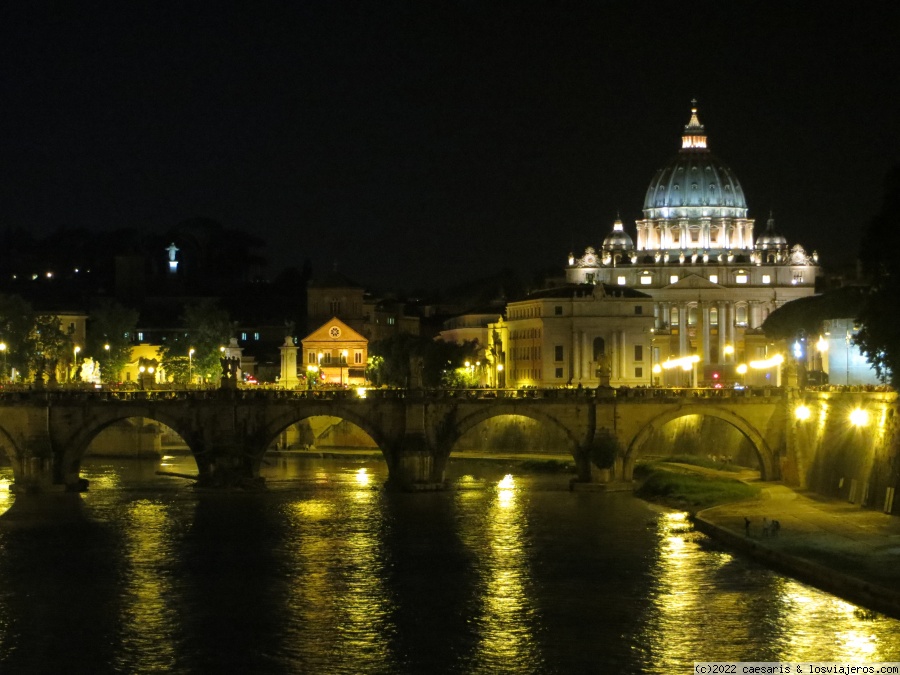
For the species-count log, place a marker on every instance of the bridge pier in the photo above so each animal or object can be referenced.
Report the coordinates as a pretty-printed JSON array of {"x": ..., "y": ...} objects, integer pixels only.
[{"x": 414, "y": 465}]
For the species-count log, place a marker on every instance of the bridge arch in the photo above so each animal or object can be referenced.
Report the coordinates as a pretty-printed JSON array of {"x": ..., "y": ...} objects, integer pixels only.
[
  {"x": 763, "y": 451},
  {"x": 284, "y": 419},
  {"x": 454, "y": 432},
  {"x": 75, "y": 447}
]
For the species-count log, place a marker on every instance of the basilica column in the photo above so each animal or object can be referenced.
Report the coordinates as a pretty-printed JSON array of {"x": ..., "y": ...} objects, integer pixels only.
[
  {"x": 682, "y": 330},
  {"x": 721, "y": 327},
  {"x": 704, "y": 350}
]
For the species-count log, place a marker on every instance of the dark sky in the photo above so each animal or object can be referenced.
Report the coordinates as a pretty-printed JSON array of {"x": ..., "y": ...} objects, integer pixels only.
[{"x": 426, "y": 143}]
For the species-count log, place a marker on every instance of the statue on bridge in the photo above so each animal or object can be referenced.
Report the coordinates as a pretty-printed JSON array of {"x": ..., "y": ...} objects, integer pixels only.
[
  {"x": 90, "y": 371},
  {"x": 603, "y": 370}
]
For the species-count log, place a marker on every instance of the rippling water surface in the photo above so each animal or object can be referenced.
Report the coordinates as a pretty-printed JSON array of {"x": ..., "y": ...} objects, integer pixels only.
[{"x": 326, "y": 573}]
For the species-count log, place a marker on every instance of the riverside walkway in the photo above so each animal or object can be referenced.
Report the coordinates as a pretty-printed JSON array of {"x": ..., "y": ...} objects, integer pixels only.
[{"x": 833, "y": 545}]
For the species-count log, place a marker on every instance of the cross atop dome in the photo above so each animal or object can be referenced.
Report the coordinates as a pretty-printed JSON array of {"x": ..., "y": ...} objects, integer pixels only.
[{"x": 694, "y": 137}]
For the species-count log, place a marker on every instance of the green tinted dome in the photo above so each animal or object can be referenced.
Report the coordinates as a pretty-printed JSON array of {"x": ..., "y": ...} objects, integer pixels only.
[{"x": 695, "y": 183}]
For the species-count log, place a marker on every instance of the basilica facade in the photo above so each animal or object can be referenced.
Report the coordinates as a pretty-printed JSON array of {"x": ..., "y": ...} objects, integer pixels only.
[{"x": 680, "y": 304}]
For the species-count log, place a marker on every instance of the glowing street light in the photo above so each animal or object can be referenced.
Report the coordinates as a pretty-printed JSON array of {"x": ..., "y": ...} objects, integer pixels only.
[
  {"x": 499, "y": 371},
  {"x": 801, "y": 412},
  {"x": 343, "y": 363},
  {"x": 75, "y": 351},
  {"x": 3, "y": 350},
  {"x": 859, "y": 417},
  {"x": 742, "y": 371},
  {"x": 190, "y": 366}
]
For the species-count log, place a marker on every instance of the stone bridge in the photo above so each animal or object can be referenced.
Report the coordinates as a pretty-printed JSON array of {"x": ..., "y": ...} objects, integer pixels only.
[{"x": 45, "y": 434}]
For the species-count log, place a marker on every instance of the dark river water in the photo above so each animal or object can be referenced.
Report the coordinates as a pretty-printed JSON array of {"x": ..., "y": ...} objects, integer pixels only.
[{"x": 326, "y": 573}]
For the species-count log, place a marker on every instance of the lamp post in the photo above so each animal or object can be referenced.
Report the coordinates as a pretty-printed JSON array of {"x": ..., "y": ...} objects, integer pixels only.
[
  {"x": 75, "y": 361},
  {"x": 742, "y": 371},
  {"x": 499, "y": 372},
  {"x": 190, "y": 367},
  {"x": 3, "y": 350},
  {"x": 343, "y": 363}
]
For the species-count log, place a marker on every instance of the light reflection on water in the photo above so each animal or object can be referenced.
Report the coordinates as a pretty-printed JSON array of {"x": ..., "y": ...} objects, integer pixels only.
[{"x": 326, "y": 573}]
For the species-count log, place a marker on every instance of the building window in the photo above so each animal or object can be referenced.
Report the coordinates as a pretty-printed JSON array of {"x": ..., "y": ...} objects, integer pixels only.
[
  {"x": 140, "y": 336},
  {"x": 620, "y": 280},
  {"x": 256, "y": 336},
  {"x": 559, "y": 373},
  {"x": 557, "y": 310},
  {"x": 798, "y": 278},
  {"x": 558, "y": 353},
  {"x": 692, "y": 316},
  {"x": 740, "y": 315},
  {"x": 244, "y": 337},
  {"x": 639, "y": 352},
  {"x": 646, "y": 280},
  {"x": 714, "y": 278},
  {"x": 673, "y": 279},
  {"x": 638, "y": 372},
  {"x": 638, "y": 309},
  {"x": 391, "y": 321},
  {"x": 311, "y": 357},
  {"x": 767, "y": 279},
  {"x": 713, "y": 316},
  {"x": 357, "y": 356},
  {"x": 327, "y": 357},
  {"x": 740, "y": 277}
]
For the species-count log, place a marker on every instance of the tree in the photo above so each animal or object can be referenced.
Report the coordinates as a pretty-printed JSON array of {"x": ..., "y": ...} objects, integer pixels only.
[
  {"x": 16, "y": 323},
  {"x": 390, "y": 360},
  {"x": 208, "y": 328},
  {"x": 109, "y": 333},
  {"x": 48, "y": 347},
  {"x": 879, "y": 337}
]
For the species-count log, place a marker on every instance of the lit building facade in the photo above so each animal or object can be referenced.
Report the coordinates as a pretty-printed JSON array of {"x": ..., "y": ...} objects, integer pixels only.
[{"x": 709, "y": 283}]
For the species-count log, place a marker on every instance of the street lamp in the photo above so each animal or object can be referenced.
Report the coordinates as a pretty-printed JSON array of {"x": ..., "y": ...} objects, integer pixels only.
[
  {"x": 499, "y": 371},
  {"x": 3, "y": 349},
  {"x": 742, "y": 371},
  {"x": 75, "y": 361},
  {"x": 190, "y": 367}
]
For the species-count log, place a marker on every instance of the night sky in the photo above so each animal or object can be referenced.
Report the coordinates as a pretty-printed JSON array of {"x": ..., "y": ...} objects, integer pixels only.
[{"x": 421, "y": 144}]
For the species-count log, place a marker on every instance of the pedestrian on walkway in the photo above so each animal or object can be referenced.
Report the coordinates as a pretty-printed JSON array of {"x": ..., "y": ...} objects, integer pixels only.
[{"x": 747, "y": 526}]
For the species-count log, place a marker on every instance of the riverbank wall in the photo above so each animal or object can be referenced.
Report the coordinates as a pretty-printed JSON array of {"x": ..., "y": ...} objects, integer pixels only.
[{"x": 845, "y": 445}]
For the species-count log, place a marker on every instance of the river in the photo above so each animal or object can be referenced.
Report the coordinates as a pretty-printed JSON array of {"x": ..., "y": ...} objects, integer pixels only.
[{"x": 327, "y": 573}]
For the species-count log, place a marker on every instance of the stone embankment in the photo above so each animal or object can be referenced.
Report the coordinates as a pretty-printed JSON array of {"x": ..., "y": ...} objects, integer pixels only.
[{"x": 851, "y": 552}]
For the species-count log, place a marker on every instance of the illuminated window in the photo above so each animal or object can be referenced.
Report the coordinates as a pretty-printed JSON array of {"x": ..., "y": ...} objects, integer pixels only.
[
  {"x": 256, "y": 336},
  {"x": 646, "y": 280},
  {"x": 740, "y": 278},
  {"x": 740, "y": 315},
  {"x": 357, "y": 356},
  {"x": 673, "y": 279},
  {"x": 798, "y": 278},
  {"x": 714, "y": 278},
  {"x": 692, "y": 316},
  {"x": 140, "y": 336},
  {"x": 767, "y": 279},
  {"x": 243, "y": 336},
  {"x": 713, "y": 316},
  {"x": 620, "y": 280}
]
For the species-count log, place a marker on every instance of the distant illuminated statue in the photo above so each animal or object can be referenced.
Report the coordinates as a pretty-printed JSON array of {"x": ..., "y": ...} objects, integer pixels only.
[
  {"x": 90, "y": 371},
  {"x": 173, "y": 264}
]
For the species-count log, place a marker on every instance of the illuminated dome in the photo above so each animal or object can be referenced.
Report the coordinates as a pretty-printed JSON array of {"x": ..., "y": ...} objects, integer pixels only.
[
  {"x": 618, "y": 239},
  {"x": 695, "y": 183},
  {"x": 770, "y": 239}
]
